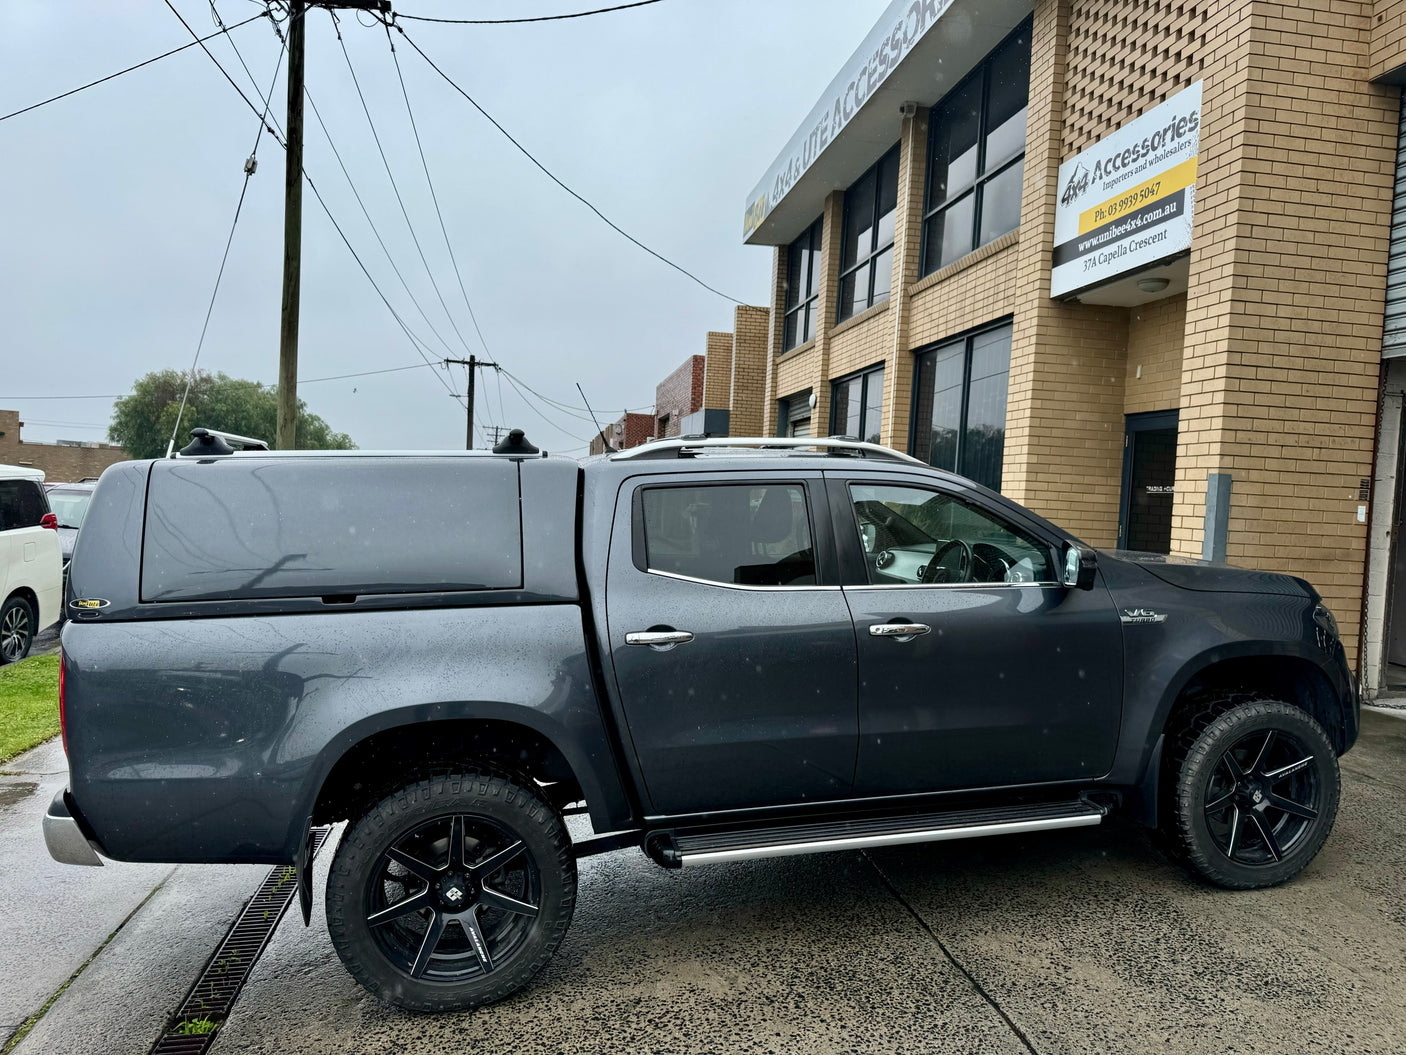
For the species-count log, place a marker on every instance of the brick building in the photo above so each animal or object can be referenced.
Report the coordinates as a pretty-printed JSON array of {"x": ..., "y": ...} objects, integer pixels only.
[
  {"x": 62, "y": 461},
  {"x": 629, "y": 431},
  {"x": 679, "y": 395},
  {"x": 1126, "y": 262}
]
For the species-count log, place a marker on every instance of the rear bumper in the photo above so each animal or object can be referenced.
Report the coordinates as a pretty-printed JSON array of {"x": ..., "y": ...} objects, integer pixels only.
[{"x": 64, "y": 837}]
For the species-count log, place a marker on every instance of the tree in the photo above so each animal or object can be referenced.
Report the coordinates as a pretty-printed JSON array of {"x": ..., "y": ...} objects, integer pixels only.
[{"x": 142, "y": 422}]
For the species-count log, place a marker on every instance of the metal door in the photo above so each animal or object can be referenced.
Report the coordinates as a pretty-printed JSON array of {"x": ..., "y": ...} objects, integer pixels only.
[
  {"x": 737, "y": 693},
  {"x": 972, "y": 684}
]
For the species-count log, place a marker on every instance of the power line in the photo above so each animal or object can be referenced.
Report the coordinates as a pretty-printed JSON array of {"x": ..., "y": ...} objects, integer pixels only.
[
  {"x": 565, "y": 408},
  {"x": 301, "y": 381},
  {"x": 249, "y": 168},
  {"x": 401, "y": 201},
  {"x": 433, "y": 196},
  {"x": 129, "y": 69},
  {"x": 539, "y": 18},
  {"x": 534, "y": 410},
  {"x": 528, "y": 154},
  {"x": 372, "y": 224},
  {"x": 416, "y": 342},
  {"x": 201, "y": 41}
]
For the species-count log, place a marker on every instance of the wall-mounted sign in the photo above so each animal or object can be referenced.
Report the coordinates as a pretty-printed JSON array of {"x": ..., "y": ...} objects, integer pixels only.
[
  {"x": 903, "y": 24},
  {"x": 1127, "y": 202}
]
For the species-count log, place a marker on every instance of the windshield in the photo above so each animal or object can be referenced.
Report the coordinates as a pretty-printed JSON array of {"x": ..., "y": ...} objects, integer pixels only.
[{"x": 69, "y": 506}]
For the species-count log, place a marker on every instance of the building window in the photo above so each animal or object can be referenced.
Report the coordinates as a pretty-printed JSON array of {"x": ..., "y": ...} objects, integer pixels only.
[
  {"x": 959, "y": 414},
  {"x": 866, "y": 258},
  {"x": 802, "y": 287},
  {"x": 976, "y": 156},
  {"x": 857, "y": 405}
]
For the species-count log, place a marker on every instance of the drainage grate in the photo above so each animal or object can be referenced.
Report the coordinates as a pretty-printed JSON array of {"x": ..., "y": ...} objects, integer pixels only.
[{"x": 214, "y": 992}]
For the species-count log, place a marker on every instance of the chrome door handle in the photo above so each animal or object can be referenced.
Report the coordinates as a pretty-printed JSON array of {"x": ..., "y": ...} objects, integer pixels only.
[
  {"x": 659, "y": 639},
  {"x": 899, "y": 629}
]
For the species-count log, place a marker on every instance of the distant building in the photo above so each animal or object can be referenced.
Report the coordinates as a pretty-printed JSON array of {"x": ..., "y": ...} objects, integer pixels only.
[
  {"x": 677, "y": 396},
  {"x": 630, "y": 431},
  {"x": 61, "y": 460}
]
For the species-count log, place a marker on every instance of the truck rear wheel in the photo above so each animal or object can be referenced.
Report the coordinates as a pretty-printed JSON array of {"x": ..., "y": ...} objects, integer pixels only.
[
  {"x": 452, "y": 892},
  {"x": 1255, "y": 795}
]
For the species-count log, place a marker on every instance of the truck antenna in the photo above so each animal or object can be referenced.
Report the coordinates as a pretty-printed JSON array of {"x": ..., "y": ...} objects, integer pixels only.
[{"x": 594, "y": 421}]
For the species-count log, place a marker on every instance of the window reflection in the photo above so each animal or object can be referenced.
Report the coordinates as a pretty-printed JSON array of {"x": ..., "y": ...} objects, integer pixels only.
[{"x": 960, "y": 405}]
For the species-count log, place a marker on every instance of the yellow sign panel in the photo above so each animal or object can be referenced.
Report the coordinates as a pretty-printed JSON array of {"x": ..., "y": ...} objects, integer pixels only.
[{"x": 1174, "y": 179}]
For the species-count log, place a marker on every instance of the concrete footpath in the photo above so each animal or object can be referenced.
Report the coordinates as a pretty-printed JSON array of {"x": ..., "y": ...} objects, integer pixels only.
[
  {"x": 53, "y": 917},
  {"x": 152, "y": 928}
]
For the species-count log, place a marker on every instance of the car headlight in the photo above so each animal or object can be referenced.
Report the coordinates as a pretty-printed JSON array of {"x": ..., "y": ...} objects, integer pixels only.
[{"x": 1324, "y": 618}]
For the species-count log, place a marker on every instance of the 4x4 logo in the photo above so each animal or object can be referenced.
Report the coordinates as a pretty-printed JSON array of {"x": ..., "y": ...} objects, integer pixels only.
[{"x": 1143, "y": 615}]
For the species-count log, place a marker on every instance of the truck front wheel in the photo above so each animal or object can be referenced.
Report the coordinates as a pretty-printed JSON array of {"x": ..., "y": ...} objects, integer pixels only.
[
  {"x": 1255, "y": 794},
  {"x": 452, "y": 892}
]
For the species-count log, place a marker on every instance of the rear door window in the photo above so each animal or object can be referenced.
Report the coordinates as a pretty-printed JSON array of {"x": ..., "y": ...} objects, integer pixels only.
[
  {"x": 735, "y": 534},
  {"x": 22, "y": 504},
  {"x": 331, "y": 526}
]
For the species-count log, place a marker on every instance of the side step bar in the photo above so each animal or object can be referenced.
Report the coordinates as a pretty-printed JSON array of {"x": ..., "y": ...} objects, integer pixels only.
[{"x": 679, "y": 849}]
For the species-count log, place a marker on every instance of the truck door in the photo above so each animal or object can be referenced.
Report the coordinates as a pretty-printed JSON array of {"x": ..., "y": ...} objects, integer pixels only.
[
  {"x": 977, "y": 668},
  {"x": 732, "y": 647}
]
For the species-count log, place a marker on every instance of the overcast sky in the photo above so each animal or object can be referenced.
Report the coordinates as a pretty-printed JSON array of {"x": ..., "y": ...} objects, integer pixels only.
[{"x": 117, "y": 201}]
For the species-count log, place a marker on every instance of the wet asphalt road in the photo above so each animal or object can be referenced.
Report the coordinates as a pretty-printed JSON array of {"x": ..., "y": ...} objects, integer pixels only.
[{"x": 1070, "y": 942}]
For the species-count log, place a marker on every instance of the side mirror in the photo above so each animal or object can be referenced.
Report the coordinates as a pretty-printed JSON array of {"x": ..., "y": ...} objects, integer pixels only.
[{"x": 1080, "y": 567}]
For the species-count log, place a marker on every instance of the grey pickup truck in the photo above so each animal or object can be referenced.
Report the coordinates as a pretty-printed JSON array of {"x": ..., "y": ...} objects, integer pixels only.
[{"x": 715, "y": 650}]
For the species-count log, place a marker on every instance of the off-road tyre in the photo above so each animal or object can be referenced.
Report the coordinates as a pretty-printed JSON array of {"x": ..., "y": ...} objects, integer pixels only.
[
  {"x": 482, "y": 797},
  {"x": 1197, "y": 775},
  {"x": 17, "y": 628}
]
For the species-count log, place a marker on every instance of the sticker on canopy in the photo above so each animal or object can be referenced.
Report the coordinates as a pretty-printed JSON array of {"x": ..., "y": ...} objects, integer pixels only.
[{"x": 89, "y": 604}]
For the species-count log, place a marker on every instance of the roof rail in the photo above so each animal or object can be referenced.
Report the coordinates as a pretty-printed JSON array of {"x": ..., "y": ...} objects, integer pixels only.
[
  {"x": 205, "y": 442},
  {"x": 684, "y": 446}
]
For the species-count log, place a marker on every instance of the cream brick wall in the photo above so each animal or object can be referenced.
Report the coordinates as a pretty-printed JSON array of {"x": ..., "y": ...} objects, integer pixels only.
[
  {"x": 1388, "y": 37},
  {"x": 1156, "y": 337},
  {"x": 749, "y": 367},
  {"x": 1284, "y": 316},
  {"x": 717, "y": 371}
]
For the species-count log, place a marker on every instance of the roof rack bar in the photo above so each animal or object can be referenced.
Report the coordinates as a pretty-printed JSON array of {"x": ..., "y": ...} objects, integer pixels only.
[{"x": 680, "y": 447}]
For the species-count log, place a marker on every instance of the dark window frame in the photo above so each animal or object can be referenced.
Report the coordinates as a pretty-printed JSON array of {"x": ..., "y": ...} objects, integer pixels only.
[
  {"x": 930, "y": 260},
  {"x": 807, "y": 306},
  {"x": 893, "y": 154},
  {"x": 968, "y": 339},
  {"x": 836, "y": 426}
]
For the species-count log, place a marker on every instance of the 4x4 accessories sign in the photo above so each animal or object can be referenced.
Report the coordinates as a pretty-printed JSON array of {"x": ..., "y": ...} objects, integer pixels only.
[{"x": 1127, "y": 202}]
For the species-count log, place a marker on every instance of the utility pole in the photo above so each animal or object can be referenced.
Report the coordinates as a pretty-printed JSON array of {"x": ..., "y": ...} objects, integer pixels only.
[
  {"x": 286, "y": 437},
  {"x": 473, "y": 364}
]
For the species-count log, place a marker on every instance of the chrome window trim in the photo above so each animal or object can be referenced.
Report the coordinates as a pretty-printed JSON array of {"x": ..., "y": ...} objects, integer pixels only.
[
  {"x": 731, "y": 585},
  {"x": 949, "y": 585}
]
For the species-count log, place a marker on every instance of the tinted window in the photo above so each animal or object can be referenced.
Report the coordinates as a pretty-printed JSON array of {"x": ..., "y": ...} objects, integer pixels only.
[
  {"x": 866, "y": 257},
  {"x": 960, "y": 405},
  {"x": 737, "y": 534},
  {"x": 22, "y": 504},
  {"x": 976, "y": 156},
  {"x": 311, "y": 527},
  {"x": 914, "y": 536}
]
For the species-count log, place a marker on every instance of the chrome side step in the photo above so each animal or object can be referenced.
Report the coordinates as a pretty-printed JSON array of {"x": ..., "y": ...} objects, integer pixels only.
[{"x": 716, "y": 847}]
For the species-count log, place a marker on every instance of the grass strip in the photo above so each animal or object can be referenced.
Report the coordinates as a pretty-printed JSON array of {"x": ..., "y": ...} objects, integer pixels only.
[{"x": 29, "y": 704}]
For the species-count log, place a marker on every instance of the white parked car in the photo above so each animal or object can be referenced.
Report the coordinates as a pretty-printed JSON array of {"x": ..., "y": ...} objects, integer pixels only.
[{"x": 31, "y": 564}]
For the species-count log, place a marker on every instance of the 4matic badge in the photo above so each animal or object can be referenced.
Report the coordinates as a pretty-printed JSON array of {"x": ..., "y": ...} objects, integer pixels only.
[{"x": 1143, "y": 615}]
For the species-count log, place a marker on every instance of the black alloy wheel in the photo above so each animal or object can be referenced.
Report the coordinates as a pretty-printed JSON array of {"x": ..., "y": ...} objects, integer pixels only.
[
  {"x": 16, "y": 630},
  {"x": 453, "y": 898},
  {"x": 452, "y": 892},
  {"x": 1262, "y": 797},
  {"x": 1252, "y": 795}
]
